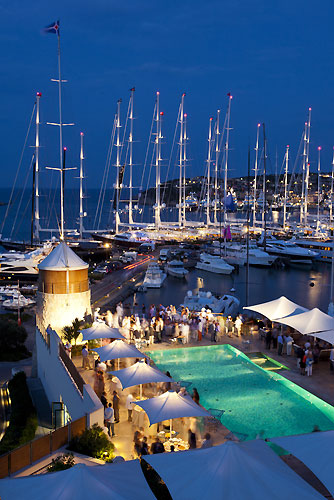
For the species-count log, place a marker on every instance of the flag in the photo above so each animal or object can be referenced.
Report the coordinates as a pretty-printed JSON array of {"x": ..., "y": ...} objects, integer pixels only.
[{"x": 52, "y": 28}]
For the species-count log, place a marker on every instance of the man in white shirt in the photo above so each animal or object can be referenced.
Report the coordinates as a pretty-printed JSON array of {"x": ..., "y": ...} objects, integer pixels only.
[
  {"x": 85, "y": 359},
  {"x": 289, "y": 342},
  {"x": 109, "y": 419},
  {"x": 129, "y": 407}
]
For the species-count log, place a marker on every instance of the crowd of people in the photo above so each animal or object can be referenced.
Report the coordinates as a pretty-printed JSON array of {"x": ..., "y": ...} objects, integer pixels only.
[{"x": 153, "y": 322}]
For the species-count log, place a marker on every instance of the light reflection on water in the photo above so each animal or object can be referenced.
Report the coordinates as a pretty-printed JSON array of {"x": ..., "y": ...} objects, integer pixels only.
[{"x": 264, "y": 285}]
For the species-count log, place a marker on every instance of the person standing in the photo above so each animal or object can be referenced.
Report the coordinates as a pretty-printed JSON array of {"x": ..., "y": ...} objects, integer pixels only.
[
  {"x": 268, "y": 339},
  {"x": 115, "y": 402},
  {"x": 274, "y": 335},
  {"x": 212, "y": 332},
  {"x": 129, "y": 407},
  {"x": 157, "y": 447},
  {"x": 68, "y": 348},
  {"x": 192, "y": 440},
  {"x": 309, "y": 363},
  {"x": 104, "y": 399},
  {"x": 109, "y": 419},
  {"x": 144, "y": 447},
  {"x": 85, "y": 359},
  {"x": 289, "y": 342},
  {"x": 280, "y": 342}
]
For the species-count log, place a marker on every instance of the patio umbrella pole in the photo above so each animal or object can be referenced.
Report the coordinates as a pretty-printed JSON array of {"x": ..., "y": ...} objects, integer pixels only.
[
  {"x": 141, "y": 391},
  {"x": 170, "y": 427}
]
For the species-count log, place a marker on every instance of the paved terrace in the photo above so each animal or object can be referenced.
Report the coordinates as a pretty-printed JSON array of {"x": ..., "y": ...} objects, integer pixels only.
[{"x": 320, "y": 384}]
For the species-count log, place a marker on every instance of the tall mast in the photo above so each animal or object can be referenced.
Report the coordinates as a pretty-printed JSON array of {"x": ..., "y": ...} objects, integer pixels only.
[
  {"x": 318, "y": 203},
  {"x": 226, "y": 154},
  {"x": 130, "y": 157},
  {"x": 307, "y": 176},
  {"x": 36, "y": 215},
  {"x": 264, "y": 187},
  {"x": 285, "y": 185},
  {"x": 118, "y": 163},
  {"x": 181, "y": 157},
  {"x": 184, "y": 169},
  {"x": 208, "y": 161},
  {"x": 331, "y": 193},
  {"x": 302, "y": 201},
  {"x": 60, "y": 125},
  {"x": 255, "y": 171},
  {"x": 81, "y": 177},
  {"x": 217, "y": 133},
  {"x": 157, "y": 162}
]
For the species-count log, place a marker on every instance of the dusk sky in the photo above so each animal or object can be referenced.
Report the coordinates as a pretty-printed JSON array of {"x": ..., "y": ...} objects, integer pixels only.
[{"x": 276, "y": 59}]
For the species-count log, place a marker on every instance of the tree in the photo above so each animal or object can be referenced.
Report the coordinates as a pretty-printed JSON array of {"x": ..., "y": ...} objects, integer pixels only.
[{"x": 72, "y": 332}]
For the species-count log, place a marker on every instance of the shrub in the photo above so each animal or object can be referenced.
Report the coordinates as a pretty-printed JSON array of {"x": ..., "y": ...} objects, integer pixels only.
[
  {"x": 62, "y": 462},
  {"x": 23, "y": 418},
  {"x": 12, "y": 338},
  {"x": 93, "y": 442}
]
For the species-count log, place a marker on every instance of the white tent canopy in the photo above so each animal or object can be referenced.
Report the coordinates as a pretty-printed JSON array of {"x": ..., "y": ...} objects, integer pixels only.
[
  {"x": 327, "y": 335},
  {"x": 309, "y": 322},
  {"x": 100, "y": 330},
  {"x": 277, "y": 308},
  {"x": 83, "y": 482},
  {"x": 171, "y": 405},
  {"x": 231, "y": 471},
  {"x": 118, "y": 349},
  {"x": 140, "y": 373},
  {"x": 316, "y": 450}
]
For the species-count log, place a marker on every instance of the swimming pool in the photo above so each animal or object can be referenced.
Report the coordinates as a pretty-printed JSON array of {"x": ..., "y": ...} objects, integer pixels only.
[{"x": 254, "y": 400}]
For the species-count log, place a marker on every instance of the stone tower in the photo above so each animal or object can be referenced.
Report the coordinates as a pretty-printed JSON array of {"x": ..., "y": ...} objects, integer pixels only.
[{"x": 63, "y": 289}]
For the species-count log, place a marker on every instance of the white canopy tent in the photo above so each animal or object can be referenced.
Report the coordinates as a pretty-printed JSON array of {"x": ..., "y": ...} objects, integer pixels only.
[
  {"x": 309, "y": 322},
  {"x": 171, "y": 405},
  {"x": 100, "y": 330},
  {"x": 278, "y": 308},
  {"x": 118, "y": 349},
  {"x": 82, "y": 482},
  {"x": 138, "y": 374},
  {"x": 316, "y": 451},
  {"x": 231, "y": 471},
  {"x": 327, "y": 335}
]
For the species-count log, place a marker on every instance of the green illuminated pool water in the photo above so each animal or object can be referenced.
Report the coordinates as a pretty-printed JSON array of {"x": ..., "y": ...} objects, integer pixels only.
[{"x": 253, "y": 399}]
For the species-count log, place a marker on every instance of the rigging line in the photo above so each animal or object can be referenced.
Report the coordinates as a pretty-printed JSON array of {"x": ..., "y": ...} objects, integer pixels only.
[
  {"x": 22, "y": 194},
  {"x": 100, "y": 202},
  {"x": 296, "y": 161},
  {"x": 171, "y": 153},
  {"x": 148, "y": 180},
  {"x": 23, "y": 217},
  {"x": 18, "y": 169},
  {"x": 98, "y": 208},
  {"x": 148, "y": 147},
  {"x": 53, "y": 205}
]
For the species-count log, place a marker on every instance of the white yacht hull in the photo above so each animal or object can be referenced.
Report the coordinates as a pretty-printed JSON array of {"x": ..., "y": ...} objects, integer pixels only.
[
  {"x": 178, "y": 274},
  {"x": 211, "y": 268}
]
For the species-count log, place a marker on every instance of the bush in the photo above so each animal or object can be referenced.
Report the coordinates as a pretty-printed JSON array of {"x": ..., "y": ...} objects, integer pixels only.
[
  {"x": 12, "y": 338},
  {"x": 23, "y": 418},
  {"x": 62, "y": 462},
  {"x": 93, "y": 442}
]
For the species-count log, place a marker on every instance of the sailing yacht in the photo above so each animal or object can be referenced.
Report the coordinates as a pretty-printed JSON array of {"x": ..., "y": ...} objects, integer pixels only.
[{"x": 214, "y": 264}]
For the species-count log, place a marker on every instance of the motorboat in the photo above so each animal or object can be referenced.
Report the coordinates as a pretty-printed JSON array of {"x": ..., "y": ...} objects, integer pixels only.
[
  {"x": 214, "y": 264},
  {"x": 18, "y": 302},
  {"x": 228, "y": 305},
  {"x": 25, "y": 268},
  {"x": 290, "y": 252},
  {"x": 236, "y": 254},
  {"x": 176, "y": 268},
  {"x": 154, "y": 276}
]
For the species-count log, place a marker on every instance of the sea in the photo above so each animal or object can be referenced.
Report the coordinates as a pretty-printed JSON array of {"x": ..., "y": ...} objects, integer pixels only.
[{"x": 308, "y": 287}]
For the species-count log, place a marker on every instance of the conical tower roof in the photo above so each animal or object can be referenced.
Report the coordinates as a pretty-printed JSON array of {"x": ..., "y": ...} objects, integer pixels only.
[{"x": 62, "y": 258}]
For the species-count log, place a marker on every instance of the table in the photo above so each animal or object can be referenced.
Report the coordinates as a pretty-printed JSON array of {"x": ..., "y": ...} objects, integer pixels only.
[{"x": 178, "y": 443}]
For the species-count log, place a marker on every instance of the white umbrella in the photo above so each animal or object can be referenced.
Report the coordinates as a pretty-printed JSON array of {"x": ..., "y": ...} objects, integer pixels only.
[
  {"x": 316, "y": 450},
  {"x": 309, "y": 322},
  {"x": 118, "y": 349},
  {"x": 81, "y": 481},
  {"x": 138, "y": 374},
  {"x": 232, "y": 471},
  {"x": 171, "y": 405},
  {"x": 277, "y": 308},
  {"x": 100, "y": 330}
]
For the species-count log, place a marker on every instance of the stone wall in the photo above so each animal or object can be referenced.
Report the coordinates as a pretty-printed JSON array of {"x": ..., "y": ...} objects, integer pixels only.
[{"x": 59, "y": 310}]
